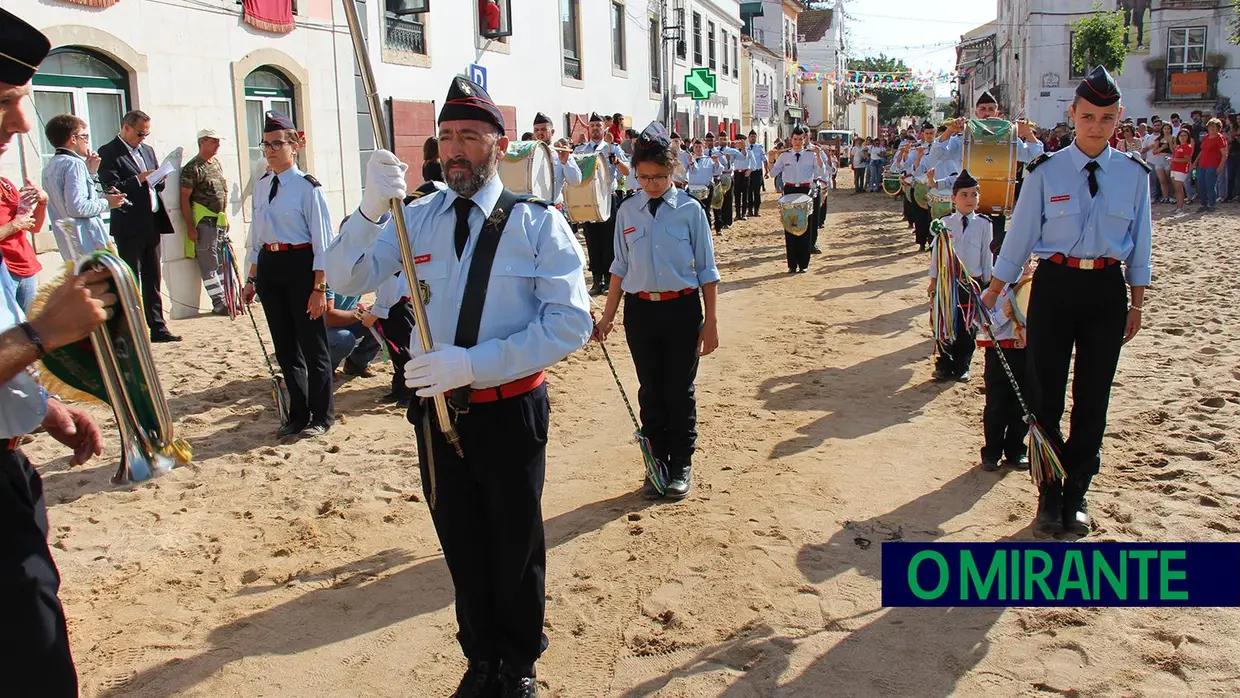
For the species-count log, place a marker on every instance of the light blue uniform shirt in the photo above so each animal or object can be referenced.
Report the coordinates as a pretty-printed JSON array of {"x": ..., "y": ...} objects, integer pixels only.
[
  {"x": 23, "y": 403},
  {"x": 564, "y": 173},
  {"x": 537, "y": 310},
  {"x": 605, "y": 149},
  {"x": 71, "y": 194},
  {"x": 296, "y": 216},
  {"x": 669, "y": 251},
  {"x": 950, "y": 157},
  {"x": 758, "y": 154},
  {"x": 702, "y": 171},
  {"x": 390, "y": 293},
  {"x": 728, "y": 158},
  {"x": 927, "y": 161},
  {"x": 799, "y": 168},
  {"x": 1056, "y": 214}
]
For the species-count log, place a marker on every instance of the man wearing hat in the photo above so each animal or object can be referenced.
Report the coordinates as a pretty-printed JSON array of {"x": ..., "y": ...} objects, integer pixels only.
[
  {"x": 923, "y": 163},
  {"x": 204, "y": 195},
  {"x": 289, "y": 233},
  {"x": 34, "y": 646},
  {"x": 565, "y": 168},
  {"x": 501, "y": 276},
  {"x": 125, "y": 163},
  {"x": 1085, "y": 212},
  {"x": 599, "y": 235}
]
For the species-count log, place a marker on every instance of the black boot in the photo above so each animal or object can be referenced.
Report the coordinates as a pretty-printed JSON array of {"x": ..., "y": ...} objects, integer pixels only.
[
  {"x": 679, "y": 478},
  {"x": 517, "y": 683},
  {"x": 481, "y": 680},
  {"x": 597, "y": 288},
  {"x": 1076, "y": 519},
  {"x": 1049, "y": 521}
]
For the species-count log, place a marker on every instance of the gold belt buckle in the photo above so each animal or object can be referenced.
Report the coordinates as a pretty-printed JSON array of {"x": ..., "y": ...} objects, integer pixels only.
[
  {"x": 1087, "y": 264},
  {"x": 656, "y": 296}
]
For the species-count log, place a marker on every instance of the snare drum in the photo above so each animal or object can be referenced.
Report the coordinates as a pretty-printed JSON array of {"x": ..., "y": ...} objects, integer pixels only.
[
  {"x": 795, "y": 211},
  {"x": 906, "y": 185},
  {"x": 527, "y": 169},
  {"x": 716, "y": 198},
  {"x": 921, "y": 189},
  {"x": 725, "y": 183},
  {"x": 940, "y": 201},
  {"x": 699, "y": 192},
  {"x": 891, "y": 183},
  {"x": 990, "y": 156},
  {"x": 590, "y": 201}
]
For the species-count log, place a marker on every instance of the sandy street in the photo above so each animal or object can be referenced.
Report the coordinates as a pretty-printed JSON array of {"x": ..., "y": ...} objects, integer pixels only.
[{"x": 311, "y": 568}]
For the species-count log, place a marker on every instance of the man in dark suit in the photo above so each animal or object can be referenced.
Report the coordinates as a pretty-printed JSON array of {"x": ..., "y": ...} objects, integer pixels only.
[{"x": 125, "y": 164}]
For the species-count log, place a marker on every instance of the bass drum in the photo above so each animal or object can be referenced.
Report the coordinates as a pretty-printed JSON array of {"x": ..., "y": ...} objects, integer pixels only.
[
  {"x": 794, "y": 212},
  {"x": 590, "y": 201},
  {"x": 527, "y": 169},
  {"x": 990, "y": 156}
]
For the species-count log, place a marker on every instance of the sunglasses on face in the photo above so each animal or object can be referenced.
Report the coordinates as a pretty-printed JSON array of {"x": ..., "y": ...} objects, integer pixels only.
[{"x": 142, "y": 134}]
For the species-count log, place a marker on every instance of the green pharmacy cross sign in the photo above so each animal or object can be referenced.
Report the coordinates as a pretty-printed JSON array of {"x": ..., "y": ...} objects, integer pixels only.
[{"x": 700, "y": 83}]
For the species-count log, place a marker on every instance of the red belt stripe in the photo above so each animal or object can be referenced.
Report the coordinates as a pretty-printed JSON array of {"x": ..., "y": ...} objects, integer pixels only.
[{"x": 520, "y": 386}]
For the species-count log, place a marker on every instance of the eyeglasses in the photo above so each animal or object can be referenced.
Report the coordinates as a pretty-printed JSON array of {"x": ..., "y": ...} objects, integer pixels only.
[
  {"x": 84, "y": 137},
  {"x": 274, "y": 145},
  {"x": 651, "y": 179}
]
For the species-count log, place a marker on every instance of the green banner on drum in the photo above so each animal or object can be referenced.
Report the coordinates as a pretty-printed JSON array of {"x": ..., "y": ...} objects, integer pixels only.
[
  {"x": 990, "y": 130},
  {"x": 519, "y": 150}
]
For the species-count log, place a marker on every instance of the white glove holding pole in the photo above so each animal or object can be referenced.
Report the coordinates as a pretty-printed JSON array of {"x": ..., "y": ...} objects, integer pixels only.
[
  {"x": 441, "y": 370},
  {"x": 385, "y": 180}
]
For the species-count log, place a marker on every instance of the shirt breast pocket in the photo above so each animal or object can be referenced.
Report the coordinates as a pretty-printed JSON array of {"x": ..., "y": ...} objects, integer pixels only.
[
  {"x": 679, "y": 243},
  {"x": 1120, "y": 215},
  {"x": 1062, "y": 221},
  {"x": 433, "y": 276}
]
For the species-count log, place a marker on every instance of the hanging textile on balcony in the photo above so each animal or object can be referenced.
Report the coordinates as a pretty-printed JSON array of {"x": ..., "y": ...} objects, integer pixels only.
[{"x": 275, "y": 16}]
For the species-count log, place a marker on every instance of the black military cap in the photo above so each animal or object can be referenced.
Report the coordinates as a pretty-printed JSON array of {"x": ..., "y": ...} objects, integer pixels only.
[
  {"x": 595, "y": 118},
  {"x": 799, "y": 131},
  {"x": 1098, "y": 88},
  {"x": 467, "y": 101},
  {"x": 653, "y": 139},
  {"x": 22, "y": 49},
  {"x": 275, "y": 121},
  {"x": 541, "y": 118},
  {"x": 986, "y": 98},
  {"x": 964, "y": 181},
  {"x": 926, "y": 126},
  {"x": 676, "y": 136}
]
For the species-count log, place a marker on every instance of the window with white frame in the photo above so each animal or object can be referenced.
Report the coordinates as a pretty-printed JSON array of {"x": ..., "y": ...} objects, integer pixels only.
[
  {"x": 656, "y": 57},
  {"x": 571, "y": 48},
  {"x": 1186, "y": 49},
  {"x": 679, "y": 19},
  {"x": 723, "y": 40},
  {"x": 710, "y": 43},
  {"x": 735, "y": 58},
  {"x": 697, "y": 38},
  {"x": 617, "y": 36}
]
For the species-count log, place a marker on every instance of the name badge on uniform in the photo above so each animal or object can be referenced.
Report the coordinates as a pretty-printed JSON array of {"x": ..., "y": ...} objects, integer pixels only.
[
  {"x": 1061, "y": 197},
  {"x": 630, "y": 229},
  {"x": 424, "y": 290},
  {"x": 422, "y": 259}
]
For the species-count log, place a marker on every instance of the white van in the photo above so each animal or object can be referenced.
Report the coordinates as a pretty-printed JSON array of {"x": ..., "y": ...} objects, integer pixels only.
[{"x": 845, "y": 140}]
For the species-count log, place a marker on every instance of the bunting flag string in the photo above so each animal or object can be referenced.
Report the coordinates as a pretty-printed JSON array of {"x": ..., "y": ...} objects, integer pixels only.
[{"x": 873, "y": 80}]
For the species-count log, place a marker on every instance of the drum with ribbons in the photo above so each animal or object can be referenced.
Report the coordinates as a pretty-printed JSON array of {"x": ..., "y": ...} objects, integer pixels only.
[
  {"x": 990, "y": 155},
  {"x": 891, "y": 183},
  {"x": 795, "y": 211},
  {"x": 699, "y": 192},
  {"x": 527, "y": 168},
  {"x": 940, "y": 202},
  {"x": 590, "y": 201},
  {"x": 921, "y": 190}
]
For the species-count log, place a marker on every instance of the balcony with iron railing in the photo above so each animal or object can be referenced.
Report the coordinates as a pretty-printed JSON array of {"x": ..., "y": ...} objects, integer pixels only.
[
  {"x": 403, "y": 34},
  {"x": 1193, "y": 85}
]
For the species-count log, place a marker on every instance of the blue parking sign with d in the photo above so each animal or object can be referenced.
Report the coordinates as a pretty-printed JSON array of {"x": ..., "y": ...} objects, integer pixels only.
[{"x": 478, "y": 74}]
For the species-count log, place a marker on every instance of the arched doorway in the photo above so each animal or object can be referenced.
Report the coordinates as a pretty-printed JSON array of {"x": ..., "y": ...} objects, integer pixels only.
[
  {"x": 76, "y": 80},
  {"x": 266, "y": 89}
]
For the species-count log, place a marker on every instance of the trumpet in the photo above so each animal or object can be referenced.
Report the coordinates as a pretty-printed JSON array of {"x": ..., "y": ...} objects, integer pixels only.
[{"x": 118, "y": 369}]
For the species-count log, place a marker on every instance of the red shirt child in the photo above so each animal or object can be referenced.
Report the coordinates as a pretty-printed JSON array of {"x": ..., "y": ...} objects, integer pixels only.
[
  {"x": 19, "y": 255},
  {"x": 1184, "y": 151}
]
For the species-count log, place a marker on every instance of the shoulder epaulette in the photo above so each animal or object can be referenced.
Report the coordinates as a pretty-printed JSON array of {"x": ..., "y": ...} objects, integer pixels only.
[
  {"x": 1037, "y": 161},
  {"x": 531, "y": 199},
  {"x": 423, "y": 189},
  {"x": 1137, "y": 159},
  {"x": 310, "y": 178},
  {"x": 266, "y": 174}
]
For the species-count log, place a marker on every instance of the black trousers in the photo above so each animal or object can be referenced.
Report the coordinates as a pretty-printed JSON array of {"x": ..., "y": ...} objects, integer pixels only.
[
  {"x": 998, "y": 223},
  {"x": 488, "y": 516},
  {"x": 921, "y": 223},
  {"x": 142, "y": 256},
  {"x": 600, "y": 241},
  {"x": 1085, "y": 310},
  {"x": 798, "y": 247},
  {"x": 1002, "y": 418},
  {"x": 710, "y": 212},
  {"x": 756, "y": 184},
  {"x": 740, "y": 190},
  {"x": 34, "y": 645},
  {"x": 723, "y": 217},
  {"x": 285, "y": 281},
  {"x": 955, "y": 357},
  {"x": 663, "y": 339},
  {"x": 398, "y": 329},
  {"x": 859, "y": 179}
]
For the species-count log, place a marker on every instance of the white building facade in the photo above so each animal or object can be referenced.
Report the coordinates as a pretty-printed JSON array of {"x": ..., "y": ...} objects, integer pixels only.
[
  {"x": 977, "y": 57},
  {"x": 711, "y": 39},
  {"x": 759, "y": 81},
  {"x": 822, "y": 48},
  {"x": 1180, "y": 58},
  {"x": 776, "y": 29}
]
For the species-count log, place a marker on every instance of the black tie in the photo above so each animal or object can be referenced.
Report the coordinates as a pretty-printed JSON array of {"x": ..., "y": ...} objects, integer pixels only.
[
  {"x": 275, "y": 187},
  {"x": 463, "y": 207},
  {"x": 1093, "y": 166},
  {"x": 798, "y": 156},
  {"x": 654, "y": 206},
  {"x": 964, "y": 223}
]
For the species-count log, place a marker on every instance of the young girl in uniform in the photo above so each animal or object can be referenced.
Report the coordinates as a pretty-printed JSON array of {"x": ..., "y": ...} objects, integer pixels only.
[
  {"x": 971, "y": 236},
  {"x": 665, "y": 270}
]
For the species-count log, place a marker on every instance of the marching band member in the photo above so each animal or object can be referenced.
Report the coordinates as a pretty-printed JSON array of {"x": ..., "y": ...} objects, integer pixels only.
[
  {"x": 757, "y": 173},
  {"x": 970, "y": 236},
  {"x": 290, "y": 231},
  {"x": 800, "y": 168},
  {"x": 1003, "y": 420},
  {"x": 740, "y": 178},
  {"x": 599, "y": 235},
  {"x": 680, "y": 171},
  {"x": 665, "y": 269},
  {"x": 1085, "y": 212},
  {"x": 922, "y": 164},
  {"x": 502, "y": 277},
  {"x": 948, "y": 148},
  {"x": 565, "y": 168},
  {"x": 703, "y": 170},
  {"x": 821, "y": 202},
  {"x": 903, "y": 166},
  {"x": 34, "y": 646},
  {"x": 727, "y": 159}
]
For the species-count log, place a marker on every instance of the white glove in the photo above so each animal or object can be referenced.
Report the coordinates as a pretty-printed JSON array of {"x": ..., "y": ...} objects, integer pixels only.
[
  {"x": 438, "y": 372},
  {"x": 385, "y": 180}
]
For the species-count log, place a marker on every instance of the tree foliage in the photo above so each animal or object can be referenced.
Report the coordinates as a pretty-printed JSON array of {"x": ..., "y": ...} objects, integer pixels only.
[
  {"x": 892, "y": 104},
  {"x": 1233, "y": 25},
  {"x": 1098, "y": 40}
]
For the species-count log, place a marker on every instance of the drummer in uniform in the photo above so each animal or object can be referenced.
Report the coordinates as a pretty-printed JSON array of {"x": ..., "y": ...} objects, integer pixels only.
[
  {"x": 923, "y": 163},
  {"x": 599, "y": 236},
  {"x": 948, "y": 150},
  {"x": 757, "y": 174},
  {"x": 34, "y": 647},
  {"x": 743, "y": 166},
  {"x": 288, "y": 237},
  {"x": 1085, "y": 213},
  {"x": 800, "y": 169},
  {"x": 493, "y": 341},
  {"x": 665, "y": 269},
  {"x": 727, "y": 160},
  {"x": 970, "y": 237},
  {"x": 680, "y": 173},
  {"x": 703, "y": 170}
]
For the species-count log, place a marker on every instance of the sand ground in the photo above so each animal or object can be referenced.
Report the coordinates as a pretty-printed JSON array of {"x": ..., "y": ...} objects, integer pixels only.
[{"x": 311, "y": 568}]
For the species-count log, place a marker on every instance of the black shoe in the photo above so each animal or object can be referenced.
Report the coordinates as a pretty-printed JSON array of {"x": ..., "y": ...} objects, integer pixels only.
[
  {"x": 990, "y": 464},
  {"x": 941, "y": 374},
  {"x": 164, "y": 336},
  {"x": 514, "y": 684},
  {"x": 921, "y": 247},
  {"x": 290, "y": 429},
  {"x": 349, "y": 369},
  {"x": 219, "y": 309},
  {"x": 596, "y": 289},
  {"x": 1049, "y": 521},
  {"x": 403, "y": 403},
  {"x": 314, "y": 430},
  {"x": 1076, "y": 519},
  {"x": 1020, "y": 462},
  {"x": 481, "y": 680},
  {"x": 816, "y": 250},
  {"x": 964, "y": 377},
  {"x": 679, "y": 479},
  {"x": 792, "y": 270}
]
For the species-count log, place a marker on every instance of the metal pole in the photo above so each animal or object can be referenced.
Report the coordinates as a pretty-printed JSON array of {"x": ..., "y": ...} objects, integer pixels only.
[{"x": 398, "y": 218}]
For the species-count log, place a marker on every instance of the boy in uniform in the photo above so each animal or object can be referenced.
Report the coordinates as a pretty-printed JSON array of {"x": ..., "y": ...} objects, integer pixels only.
[{"x": 970, "y": 235}]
